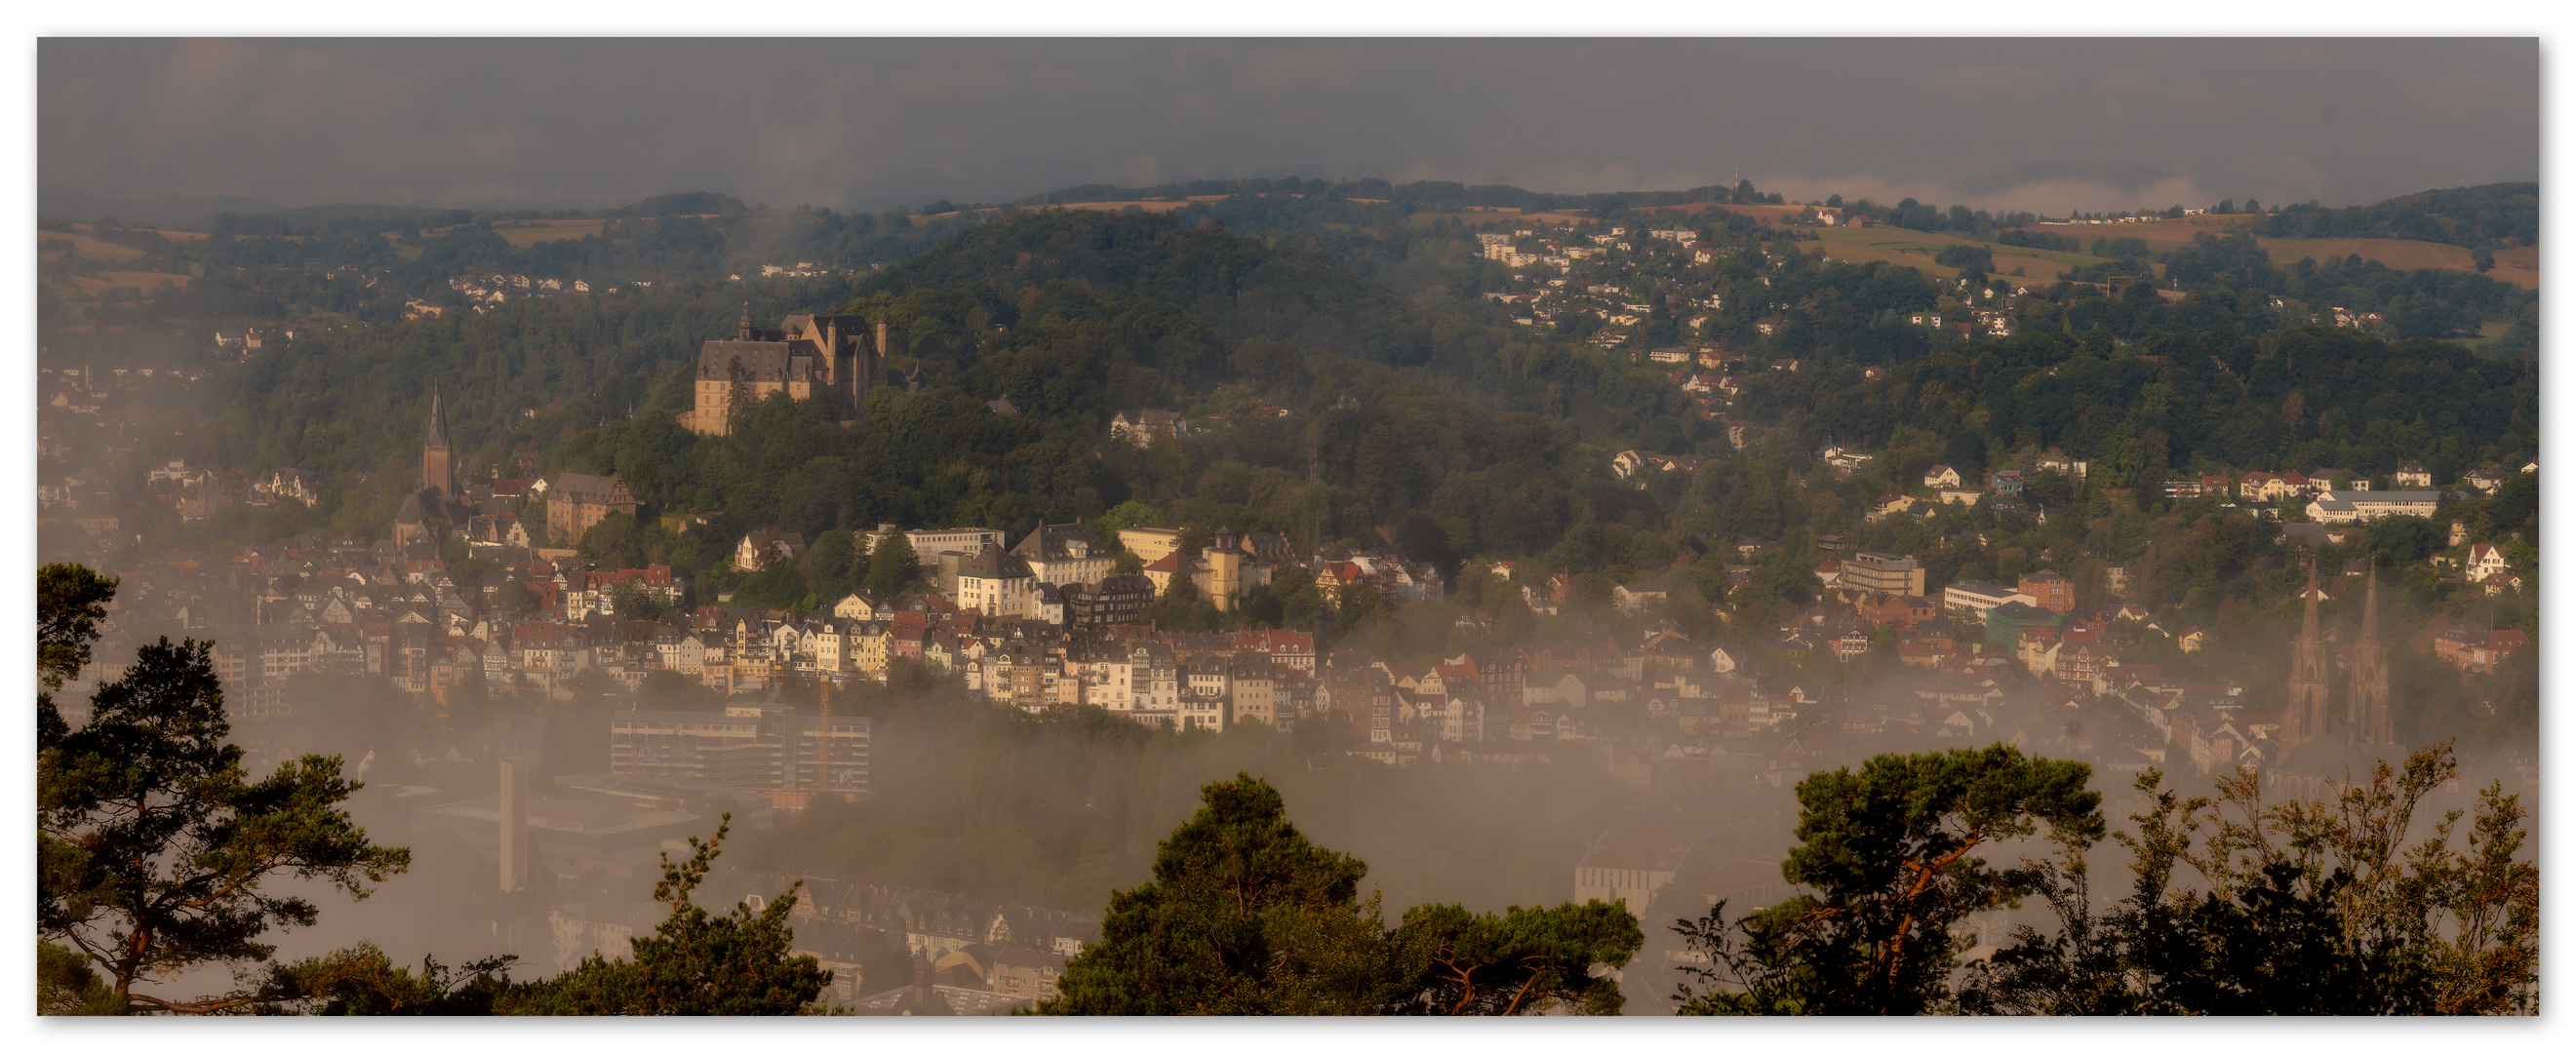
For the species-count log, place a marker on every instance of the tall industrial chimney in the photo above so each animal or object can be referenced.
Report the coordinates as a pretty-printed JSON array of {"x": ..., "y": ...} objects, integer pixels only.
[{"x": 514, "y": 824}]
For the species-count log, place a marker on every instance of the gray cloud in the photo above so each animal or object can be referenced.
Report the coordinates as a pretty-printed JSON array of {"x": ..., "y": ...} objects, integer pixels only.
[{"x": 2023, "y": 123}]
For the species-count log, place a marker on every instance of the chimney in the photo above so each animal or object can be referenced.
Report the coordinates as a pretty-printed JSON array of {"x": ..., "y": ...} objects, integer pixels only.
[{"x": 514, "y": 825}]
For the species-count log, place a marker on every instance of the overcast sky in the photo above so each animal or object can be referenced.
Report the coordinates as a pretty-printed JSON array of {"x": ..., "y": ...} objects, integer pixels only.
[{"x": 2045, "y": 125}]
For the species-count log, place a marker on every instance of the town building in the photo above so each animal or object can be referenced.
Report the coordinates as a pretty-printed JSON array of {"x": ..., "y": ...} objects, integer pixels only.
[
  {"x": 1065, "y": 554},
  {"x": 927, "y": 545},
  {"x": 759, "y": 746},
  {"x": 577, "y": 502},
  {"x": 2362, "y": 506},
  {"x": 1881, "y": 572},
  {"x": 2048, "y": 590}
]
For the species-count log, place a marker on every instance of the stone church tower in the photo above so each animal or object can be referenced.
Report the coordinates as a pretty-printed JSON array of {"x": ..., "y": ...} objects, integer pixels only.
[
  {"x": 2370, "y": 676},
  {"x": 436, "y": 506},
  {"x": 437, "y": 472},
  {"x": 2303, "y": 719}
]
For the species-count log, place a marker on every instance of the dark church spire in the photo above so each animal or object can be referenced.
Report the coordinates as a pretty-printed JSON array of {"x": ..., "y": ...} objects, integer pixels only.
[
  {"x": 746, "y": 330},
  {"x": 2370, "y": 675},
  {"x": 2304, "y": 718},
  {"x": 437, "y": 439},
  {"x": 437, "y": 470}
]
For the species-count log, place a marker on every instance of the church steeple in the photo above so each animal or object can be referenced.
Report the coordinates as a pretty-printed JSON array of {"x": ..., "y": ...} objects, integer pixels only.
[
  {"x": 2370, "y": 675},
  {"x": 746, "y": 330},
  {"x": 2304, "y": 718},
  {"x": 436, "y": 470}
]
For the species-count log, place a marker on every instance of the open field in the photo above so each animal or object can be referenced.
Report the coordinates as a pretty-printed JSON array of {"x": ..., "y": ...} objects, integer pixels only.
[
  {"x": 2159, "y": 235},
  {"x": 94, "y": 285},
  {"x": 1914, "y": 248},
  {"x": 1118, "y": 206},
  {"x": 2403, "y": 255},
  {"x": 2520, "y": 266},
  {"x": 135, "y": 279},
  {"x": 2515, "y": 266},
  {"x": 548, "y": 230},
  {"x": 85, "y": 245}
]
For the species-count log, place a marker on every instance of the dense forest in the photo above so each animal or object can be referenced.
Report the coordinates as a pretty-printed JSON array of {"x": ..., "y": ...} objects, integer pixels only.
[{"x": 2496, "y": 215}]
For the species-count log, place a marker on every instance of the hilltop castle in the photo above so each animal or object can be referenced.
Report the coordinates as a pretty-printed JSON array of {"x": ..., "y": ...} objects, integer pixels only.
[{"x": 808, "y": 356}]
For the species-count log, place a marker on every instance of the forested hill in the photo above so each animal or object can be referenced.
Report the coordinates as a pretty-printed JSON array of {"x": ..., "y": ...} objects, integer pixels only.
[
  {"x": 2496, "y": 215},
  {"x": 1239, "y": 284},
  {"x": 1285, "y": 302}
]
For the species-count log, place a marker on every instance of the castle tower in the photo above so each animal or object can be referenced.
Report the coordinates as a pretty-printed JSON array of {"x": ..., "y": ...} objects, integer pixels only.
[
  {"x": 2370, "y": 676},
  {"x": 436, "y": 471},
  {"x": 1225, "y": 569},
  {"x": 2303, "y": 719}
]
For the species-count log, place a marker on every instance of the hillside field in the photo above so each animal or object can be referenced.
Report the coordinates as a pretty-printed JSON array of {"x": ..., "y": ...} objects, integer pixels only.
[{"x": 530, "y": 232}]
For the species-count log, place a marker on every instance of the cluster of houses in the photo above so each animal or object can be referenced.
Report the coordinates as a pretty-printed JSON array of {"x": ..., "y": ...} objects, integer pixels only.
[
  {"x": 495, "y": 289},
  {"x": 1144, "y": 428}
]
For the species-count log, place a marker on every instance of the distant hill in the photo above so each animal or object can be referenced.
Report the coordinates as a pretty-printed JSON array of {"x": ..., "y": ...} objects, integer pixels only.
[
  {"x": 692, "y": 203},
  {"x": 2496, "y": 215},
  {"x": 181, "y": 212},
  {"x": 1429, "y": 195},
  {"x": 170, "y": 211}
]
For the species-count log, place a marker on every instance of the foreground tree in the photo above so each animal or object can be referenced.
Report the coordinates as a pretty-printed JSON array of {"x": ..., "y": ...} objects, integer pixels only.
[
  {"x": 2302, "y": 907},
  {"x": 1245, "y": 916},
  {"x": 694, "y": 964},
  {"x": 1890, "y": 850},
  {"x": 1526, "y": 960},
  {"x": 151, "y": 842}
]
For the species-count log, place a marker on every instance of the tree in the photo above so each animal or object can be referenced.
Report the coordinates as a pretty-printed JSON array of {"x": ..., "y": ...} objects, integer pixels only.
[
  {"x": 635, "y": 602},
  {"x": 71, "y": 600},
  {"x": 616, "y": 542},
  {"x": 362, "y": 981},
  {"x": 151, "y": 842},
  {"x": 1246, "y": 916},
  {"x": 835, "y": 567},
  {"x": 1527, "y": 960},
  {"x": 893, "y": 568},
  {"x": 2302, "y": 907},
  {"x": 694, "y": 964},
  {"x": 1890, "y": 850}
]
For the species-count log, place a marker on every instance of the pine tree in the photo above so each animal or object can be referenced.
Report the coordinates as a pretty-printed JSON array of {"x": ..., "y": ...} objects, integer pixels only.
[{"x": 151, "y": 841}]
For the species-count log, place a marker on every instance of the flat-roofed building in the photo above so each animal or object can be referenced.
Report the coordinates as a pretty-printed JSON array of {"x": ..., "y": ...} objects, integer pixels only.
[
  {"x": 1881, "y": 572},
  {"x": 928, "y": 544},
  {"x": 2362, "y": 506},
  {"x": 1976, "y": 597},
  {"x": 763, "y": 747},
  {"x": 1627, "y": 873}
]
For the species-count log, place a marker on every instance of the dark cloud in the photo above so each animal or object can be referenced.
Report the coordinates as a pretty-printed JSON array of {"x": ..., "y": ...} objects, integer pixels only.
[{"x": 2043, "y": 124}]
